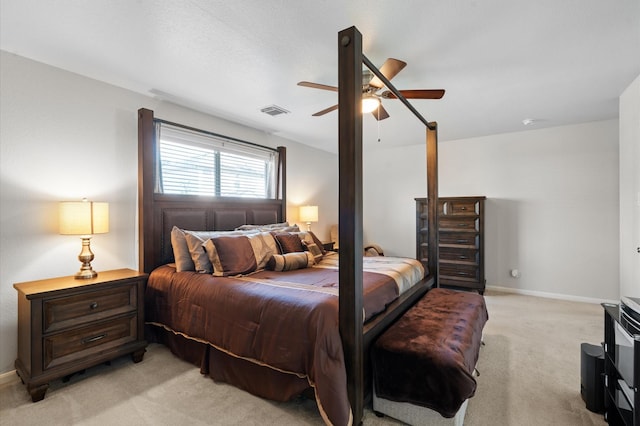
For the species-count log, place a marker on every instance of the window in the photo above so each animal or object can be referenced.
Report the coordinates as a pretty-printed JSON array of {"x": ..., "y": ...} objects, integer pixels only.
[{"x": 194, "y": 162}]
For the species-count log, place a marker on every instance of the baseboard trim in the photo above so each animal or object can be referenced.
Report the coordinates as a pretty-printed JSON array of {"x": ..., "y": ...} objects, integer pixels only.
[
  {"x": 8, "y": 377},
  {"x": 547, "y": 295}
]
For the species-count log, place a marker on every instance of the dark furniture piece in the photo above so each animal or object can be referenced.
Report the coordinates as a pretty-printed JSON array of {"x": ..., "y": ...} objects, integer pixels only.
[
  {"x": 621, "y": 368},
  {"x": 461, "y": 241},
  {"x": 592, "y": 376},
  {"x": 427, "y": 358},
  {"x": 66, "y": 325}
]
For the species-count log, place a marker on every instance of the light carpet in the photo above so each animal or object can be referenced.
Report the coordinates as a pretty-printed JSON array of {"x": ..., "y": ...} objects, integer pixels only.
[{"x": 529, "y": 375}]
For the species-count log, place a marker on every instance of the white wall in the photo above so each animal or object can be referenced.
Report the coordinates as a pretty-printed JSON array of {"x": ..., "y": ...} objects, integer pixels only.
[
  {"x": 630, "y": 190},
  {"x": 552, "y": 208},
  {"x": 65, "y": 137}
]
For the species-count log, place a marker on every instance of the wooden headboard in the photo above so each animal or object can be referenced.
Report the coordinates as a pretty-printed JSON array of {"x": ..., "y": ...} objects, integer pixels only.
[{"x": 159, "y": 213}]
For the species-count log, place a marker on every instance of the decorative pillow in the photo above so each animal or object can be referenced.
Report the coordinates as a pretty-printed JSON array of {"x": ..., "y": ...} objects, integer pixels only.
[
  {"x": 181, "y": 251},
  {"x": 264, "y": 246},
  {"x": 290, "y": 261},
  {"x": 230, "y": 255},
  {"x": 318, "y": 242},
  {"x": 315, "y": 251},
  {"x": 239, "y": 254},
  {"x": 279, "y": 227},
  {"x": 195, "y": 239},
  {"x": 308, "y": 237},
  {"x": 288, "y": 243}
]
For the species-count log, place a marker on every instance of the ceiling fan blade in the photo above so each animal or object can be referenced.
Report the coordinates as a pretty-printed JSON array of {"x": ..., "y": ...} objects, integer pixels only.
[
  {"x": 317, "y": 86},
  {"x": 389, "y": 69},
  {"x": 324, "y": 111},
  {"x": 380, "y": 113},
  {"x": 415, "y": 94}
]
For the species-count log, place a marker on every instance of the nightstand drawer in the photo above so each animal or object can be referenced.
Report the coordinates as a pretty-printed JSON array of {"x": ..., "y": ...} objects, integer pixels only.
[
  {"x": 69, "y": 311},
  {"x": 78, "y": 343}
]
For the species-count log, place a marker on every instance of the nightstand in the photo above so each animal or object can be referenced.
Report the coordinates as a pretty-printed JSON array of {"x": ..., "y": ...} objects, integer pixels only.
[{"x": 66, "y": 325}]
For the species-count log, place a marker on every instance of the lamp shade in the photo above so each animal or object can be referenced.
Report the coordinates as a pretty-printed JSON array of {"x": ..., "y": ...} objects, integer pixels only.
[
  {"x": 84, "y": 218},
  {"x": 308, "y": 214}
]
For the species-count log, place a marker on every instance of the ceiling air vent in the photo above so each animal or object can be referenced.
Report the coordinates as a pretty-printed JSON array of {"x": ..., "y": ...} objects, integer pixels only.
[{"x": 274, "y": 110}]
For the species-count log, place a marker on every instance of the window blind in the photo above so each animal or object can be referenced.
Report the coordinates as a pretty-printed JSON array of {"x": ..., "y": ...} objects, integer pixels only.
[{"x": 200, "y": 163}]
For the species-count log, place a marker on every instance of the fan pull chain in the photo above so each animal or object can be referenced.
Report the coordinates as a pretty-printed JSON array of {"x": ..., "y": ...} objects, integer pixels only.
[{"x": 378, "y": 125}]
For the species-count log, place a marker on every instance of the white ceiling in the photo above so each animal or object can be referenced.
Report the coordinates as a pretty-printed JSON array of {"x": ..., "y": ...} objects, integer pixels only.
[{"x": 556, "y": 61}]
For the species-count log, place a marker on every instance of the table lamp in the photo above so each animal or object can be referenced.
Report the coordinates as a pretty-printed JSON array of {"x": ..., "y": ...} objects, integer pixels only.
[
  {"x": 84, "y": 218},
  {"x": 308, "y": 214}
]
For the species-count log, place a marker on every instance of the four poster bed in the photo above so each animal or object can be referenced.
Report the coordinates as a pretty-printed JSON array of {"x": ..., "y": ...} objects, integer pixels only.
[{"x": 278, "y": 334}]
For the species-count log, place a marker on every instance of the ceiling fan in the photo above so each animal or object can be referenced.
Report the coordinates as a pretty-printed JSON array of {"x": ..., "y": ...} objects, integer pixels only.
[{"x": 371, "y": 85}]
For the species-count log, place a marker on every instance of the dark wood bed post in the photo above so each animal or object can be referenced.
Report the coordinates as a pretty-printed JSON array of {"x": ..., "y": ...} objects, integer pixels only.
[
  {"x": 350, "y": 213},
  {"x": 281, "y": 193},
  {"x": 146, "y": 153},
  {"x": 432, "y": 200},
  {"x": 350, "y": 61}
]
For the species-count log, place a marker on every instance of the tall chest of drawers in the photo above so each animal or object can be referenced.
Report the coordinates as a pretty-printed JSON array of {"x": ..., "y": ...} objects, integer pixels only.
[
  {"x": 461, "y": 241},
  {"x": 66, "y": 325}
]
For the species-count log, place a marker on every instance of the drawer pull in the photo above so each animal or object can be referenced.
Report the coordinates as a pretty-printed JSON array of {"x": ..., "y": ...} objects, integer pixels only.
[
  {"x": 462, "y": 224},
  {"x": 461, "y": 241},
  {"x": 93, "y": 305},
  {"x": 463, "y": 208},
  {"x": 94, "y": 338},
  {"x": 462, "y": 257}
]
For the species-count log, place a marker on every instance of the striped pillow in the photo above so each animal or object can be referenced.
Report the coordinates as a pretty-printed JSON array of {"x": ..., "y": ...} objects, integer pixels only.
[{"x": 290, "y": 261}]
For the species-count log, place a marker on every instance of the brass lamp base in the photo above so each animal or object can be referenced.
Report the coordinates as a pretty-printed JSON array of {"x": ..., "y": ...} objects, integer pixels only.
[{"x": 86, "y": 256}]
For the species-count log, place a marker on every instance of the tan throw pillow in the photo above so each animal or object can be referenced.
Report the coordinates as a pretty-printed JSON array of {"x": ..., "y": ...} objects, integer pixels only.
[
  {"x": 290, "y": 261},
  {"x": 198, "y": 255},
  {"x": 181, "y": 254},
  {"x": 264, "y": 246}
]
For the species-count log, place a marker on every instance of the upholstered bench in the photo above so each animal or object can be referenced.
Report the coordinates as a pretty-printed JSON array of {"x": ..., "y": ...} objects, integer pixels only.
[{"x": 426, "y": 360}]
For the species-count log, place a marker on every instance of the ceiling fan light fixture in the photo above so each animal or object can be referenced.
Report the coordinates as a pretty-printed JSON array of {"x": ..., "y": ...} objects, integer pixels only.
[{"x": 370, "y": 103}]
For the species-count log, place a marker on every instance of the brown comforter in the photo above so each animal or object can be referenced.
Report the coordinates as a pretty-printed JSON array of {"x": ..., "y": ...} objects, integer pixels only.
[
  {"x": 428, "y": 356},
  {"x": 287, "y": 321}
]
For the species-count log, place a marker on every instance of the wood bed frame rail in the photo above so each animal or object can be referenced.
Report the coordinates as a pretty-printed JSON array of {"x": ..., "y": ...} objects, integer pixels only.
[{"x": 354, "y": 340}]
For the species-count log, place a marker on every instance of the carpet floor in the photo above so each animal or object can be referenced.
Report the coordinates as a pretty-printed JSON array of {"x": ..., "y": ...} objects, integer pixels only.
[{"x": 529, "y": 375}]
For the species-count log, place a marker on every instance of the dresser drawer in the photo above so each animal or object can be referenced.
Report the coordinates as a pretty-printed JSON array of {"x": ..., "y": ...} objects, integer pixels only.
[
  {"x": 469, "y": 240},
  {"x": 459, "y": 272},
  {"x": 83, "y": 308},
  {"x": 459, "y": 207},
  {"x": 459, "y": 223},
  {"x": 456, "y": 255},
  {"x": 72, "y": 345}
]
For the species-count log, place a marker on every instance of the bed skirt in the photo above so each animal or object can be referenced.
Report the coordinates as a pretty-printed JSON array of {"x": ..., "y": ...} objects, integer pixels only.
[{"x": 256, "y": 379}]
